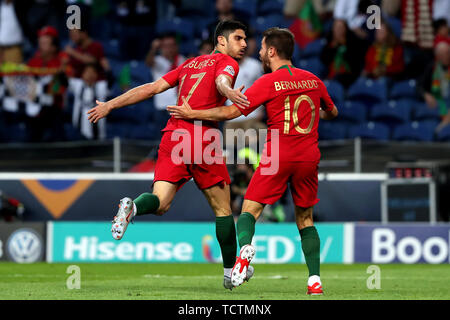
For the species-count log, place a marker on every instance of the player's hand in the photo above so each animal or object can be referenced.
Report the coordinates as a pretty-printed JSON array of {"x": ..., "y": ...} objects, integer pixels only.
[
  {"x": 430, "y": 100},
  {"x": 238, "y": 98},
  {"x": 100, "y": 111},
  {"x": 181, "y": 112},
  {"x": 156, "y": 44}
]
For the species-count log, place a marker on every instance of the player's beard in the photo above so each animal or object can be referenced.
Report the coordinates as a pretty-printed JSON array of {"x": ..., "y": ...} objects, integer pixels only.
[
  {"x": 238, "y": 56},
  {"x": 266, "y": 63}
]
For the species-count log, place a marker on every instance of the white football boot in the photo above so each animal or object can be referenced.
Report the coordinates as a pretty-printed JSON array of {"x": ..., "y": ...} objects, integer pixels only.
[
  {"x": 227, "y": 280},
  {"x": 239, "y": 271},
  {"x": 250, "y": 272},
  {"x": 125, "y": 215}
]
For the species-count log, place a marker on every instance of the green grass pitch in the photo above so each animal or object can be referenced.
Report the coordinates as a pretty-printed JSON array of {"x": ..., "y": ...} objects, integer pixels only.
[{"x": 204, "y": 282}]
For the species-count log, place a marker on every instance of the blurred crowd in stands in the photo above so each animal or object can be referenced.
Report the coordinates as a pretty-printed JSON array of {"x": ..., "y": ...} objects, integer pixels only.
[{"x": 389, "y": 83}]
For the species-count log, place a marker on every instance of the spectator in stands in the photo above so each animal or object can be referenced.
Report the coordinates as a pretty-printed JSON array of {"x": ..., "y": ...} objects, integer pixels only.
[
  {"x": 85, "y": 51},
  {"x": 343, "y": 54},
  {"x": 87, "y": 90},
  {"x": 48, "y": 54},
  {"x": 441, "y": 10},
  {"x": 11, "y": 33},
  {"x": 162, "y": 58},
  {"x": 435, "y": 83},
  {"x": 324, "y": 8},
  {"x": 136, "y": 20},
  {"x": 41, "y": 13},
  {"x": 308, "y": 18},
  {"x": 224, "y": 11},
  {"x": 417, "y": 23},
  {"x": 49, "y": 61},
  {"x": 206, "y": 47},
  {"x": 354, "y": 12},
  {"x": 441, "y": 31},
  {"x": 385, "y": 56},
  {"x": 391, "y": 8}
]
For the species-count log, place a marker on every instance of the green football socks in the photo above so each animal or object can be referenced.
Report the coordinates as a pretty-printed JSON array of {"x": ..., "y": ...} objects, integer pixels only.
[
  {"x": 146, "y": 203},
  {"x": 311, "y": 249},
  {"x": 245, "y": 228},
  {"x": 226, "y": 236}
]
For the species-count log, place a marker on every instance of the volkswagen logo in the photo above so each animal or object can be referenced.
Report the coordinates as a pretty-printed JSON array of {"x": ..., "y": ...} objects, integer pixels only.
[{"x": 24, "y": 246}]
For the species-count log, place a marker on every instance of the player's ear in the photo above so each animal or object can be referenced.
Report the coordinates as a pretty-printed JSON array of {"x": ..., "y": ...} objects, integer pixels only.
[
  {"x": 272, "y": 51},
  {"x": 221, "y": 40}
]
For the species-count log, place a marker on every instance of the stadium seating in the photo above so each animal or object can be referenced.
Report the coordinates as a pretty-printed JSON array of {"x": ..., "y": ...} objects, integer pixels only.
[
  {"x": 313, "y": 65},
  {"x": 140, "y": 73},
  {"x": 15, "y": 132},
  {"x": 336, "y": 92},
  {"x": 189, "y": 47},
  {"x": 118, "y": 130},
  {"x": 423, "y": 112},
  {"x": 198, "y": 8},
  {"x": 71, "y": 133},
  {"x": 245, "y": 9},
  {"x": 262, "y": 23},
  {"x": 396, "y": 25},
  {"x": 415, "y": 131},
  {"x": 352, "y": 111},
  {"x": 268, "y": 7},
  {"x": 136, "y": 114},
  {"x": 147, "y": 131},
  {"x": 368, "y": 91},
  {"x": 404, "y": 90},
  {"x": 116, "y": 66},
  {"x": 332, "y": 130},
  {"x": 369, "y": 108},
  {"x": 370, "y": 130},
  {"x": 200, "y": 25},
  {"x": 391, "y": 112},
  {"x": 182, "y": 26},
  {"x": 111, "y": 49},
  {"x": 313, "y": 49}
]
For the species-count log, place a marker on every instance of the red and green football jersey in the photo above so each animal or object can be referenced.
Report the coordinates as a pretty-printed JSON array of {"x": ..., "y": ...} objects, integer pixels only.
[
  {"x": 196, "y": 82},
  {"x": 293, "y": 98}
]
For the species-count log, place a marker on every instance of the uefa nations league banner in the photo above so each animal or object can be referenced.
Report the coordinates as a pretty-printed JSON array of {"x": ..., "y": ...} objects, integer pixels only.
[
  {"x": 181, "y": 242},
  {"x": 402, "y": 243}
]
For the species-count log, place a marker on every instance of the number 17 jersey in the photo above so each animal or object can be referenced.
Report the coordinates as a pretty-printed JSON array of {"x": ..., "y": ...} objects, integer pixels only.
[{"x": 196, "y": 80}]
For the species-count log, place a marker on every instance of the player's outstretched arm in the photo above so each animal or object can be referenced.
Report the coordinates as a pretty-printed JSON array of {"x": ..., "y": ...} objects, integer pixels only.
[
  {"x": 223, "y": 85},
  {"x": 215, "y": 114},
  {"x": 329, "y": 115},
  {"x": 135, "y": 95}
]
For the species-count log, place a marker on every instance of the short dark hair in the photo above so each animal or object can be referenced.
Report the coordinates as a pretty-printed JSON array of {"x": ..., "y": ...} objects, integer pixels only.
[
  {"x": 168, "y": 34},
  {"x": 92, "y": 65},
  {"x": 226, "y": 27},
  {"x": 439, "y": 23},
  {"x": 282, "y": 40}
]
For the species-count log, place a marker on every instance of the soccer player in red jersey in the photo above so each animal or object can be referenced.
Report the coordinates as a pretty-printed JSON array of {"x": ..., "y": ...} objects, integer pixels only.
[
  {"x": 206, "y": 82},
  {"x": 295, "y": 100}
]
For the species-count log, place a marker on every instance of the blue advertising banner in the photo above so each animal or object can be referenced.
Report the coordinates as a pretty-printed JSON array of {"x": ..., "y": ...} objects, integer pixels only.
[
  {"x": 180, "y": 242},
  {"x": 402, "y": 243}
]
